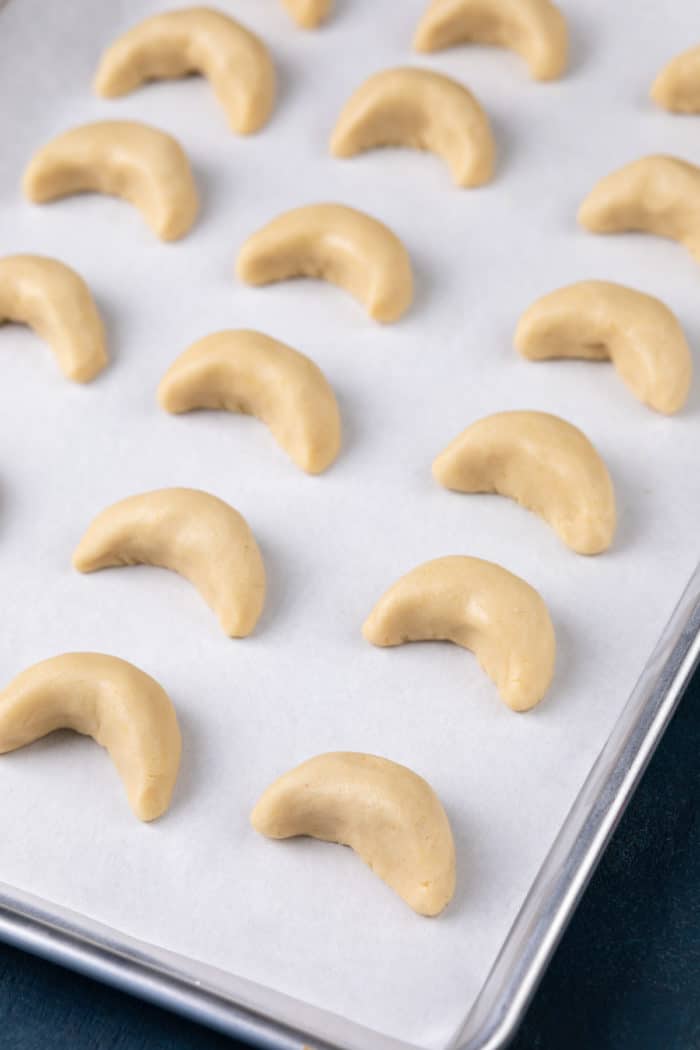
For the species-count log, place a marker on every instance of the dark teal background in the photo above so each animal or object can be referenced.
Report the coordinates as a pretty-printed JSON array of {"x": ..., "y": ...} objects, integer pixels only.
[{"x": 626, "y": 975}]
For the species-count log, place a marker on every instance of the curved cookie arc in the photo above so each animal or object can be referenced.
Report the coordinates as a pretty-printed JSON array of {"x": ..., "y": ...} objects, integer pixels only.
[
  {"x": 56, "y": 302},
  {"x": 482, "y": 607},
  {"x": 309, "y": 14},
  {"x": 246, "y": 371},
  {"x": 535, "y": 29},
  {"x": 542, "y": 462},
  {"x": 656, "y": 194},
  {"x": 124, "y": 159},
  {"x": 195, "y": 39},
  {"x": 385, "y": 812},
  {"x": 600, "y": 320},
  {"x": 677, "y": 86},
  {"x": 420, "y": 109},
  {"x": 338, "y": 244},
  {"x": 122, "y": 708},
  {"x": 192, "y": 533}
]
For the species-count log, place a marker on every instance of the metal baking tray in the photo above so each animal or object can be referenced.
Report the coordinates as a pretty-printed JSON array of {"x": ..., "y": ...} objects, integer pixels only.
[{"x": 208, "y": 993}]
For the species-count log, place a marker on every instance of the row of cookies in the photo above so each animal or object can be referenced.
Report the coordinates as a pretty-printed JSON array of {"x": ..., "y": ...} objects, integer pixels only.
[
  {"x": 536, "y": 29},
  {"x": 389, "y": 815},
  {"x": 208, "y": 542},
  {"x": 595, "y": 320}
]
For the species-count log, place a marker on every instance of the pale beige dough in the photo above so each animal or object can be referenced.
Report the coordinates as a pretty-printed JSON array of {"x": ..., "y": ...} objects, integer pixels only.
[
  {"x": 425, "y": 110},
  {"x": 677, "y": 87},
  {"x": 121, "y": 707},
  {"x": 337, "y": 244},
  {"x": 599, "y": 320},
  {"x": 480, "y": 606},
  {"x": 195, "y": 40},
  {"x": 536, "y": 29},
  {"x": 125, "y": 159},
  {"x": 194, "y": 534},
  {"x": 309, "y": 14},
  {"x": 56, "y": 302},
  {"x": 542, "y": 462},
  {"x": 656, "y": 194},
  {"x": 385, "y": 812},
  {"x": 244, "y": 371}
]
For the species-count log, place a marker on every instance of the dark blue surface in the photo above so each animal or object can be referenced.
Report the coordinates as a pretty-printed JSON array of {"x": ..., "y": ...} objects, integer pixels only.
[{"x": 626, "y": 975}]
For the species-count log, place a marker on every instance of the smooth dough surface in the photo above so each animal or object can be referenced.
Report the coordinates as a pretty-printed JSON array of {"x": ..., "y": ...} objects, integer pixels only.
[
  {"x": 309, "y": 14},
  {"x": 536, "y": 29},
  {"x": 338, "y": 244},
  {"x": 122, "y": 158},
  {"x": 195, "y": 40},
  {"x": 600, "y": 320},
  {"x": 677, "y": 87},
  {"x": 245, "y": 371},
  {"x": 542, "y": 462},
  {"x": 656, "y": 194},
  {"x": 191, "y": 532},
  {"x": 121, "y": 707},
  {"x": 56, "y": 302},
  {"x": 424, "y": 110},
  {"x": 385, "y": 812},
  {"x": 482, "y": 607}
]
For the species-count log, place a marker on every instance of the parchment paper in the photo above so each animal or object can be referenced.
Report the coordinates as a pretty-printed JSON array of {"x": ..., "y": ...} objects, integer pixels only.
[{"x": 302, "y": 917}]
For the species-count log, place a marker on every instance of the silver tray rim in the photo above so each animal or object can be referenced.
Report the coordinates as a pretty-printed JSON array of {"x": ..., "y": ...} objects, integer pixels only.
[
  {"x": 584, "y": 835},
  {"x": 78, "y": 943}
]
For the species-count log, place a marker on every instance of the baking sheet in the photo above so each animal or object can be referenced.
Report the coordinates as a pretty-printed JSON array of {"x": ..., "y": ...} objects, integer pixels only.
[{"x": 302, "y": 918}]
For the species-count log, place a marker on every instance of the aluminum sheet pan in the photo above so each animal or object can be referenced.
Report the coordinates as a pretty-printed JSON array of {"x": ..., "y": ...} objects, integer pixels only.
[{"x": 197, "y": 910}]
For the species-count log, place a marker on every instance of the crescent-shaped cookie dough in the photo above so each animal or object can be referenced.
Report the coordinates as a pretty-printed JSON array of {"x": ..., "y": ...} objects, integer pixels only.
[
  {"x": 656, "y": 194},
  {"x": 309, "y": 14},
  {"x": 124, "y": 159},
  {"x": 244, "y": 371},
  {"x": 121, "y": 707},
  {"x": 542, "y": 462},
  {"x": 194, "y": 534},
  {"x": 480, "y": 606},
  {"x": 536, "y": 29},
  {"x": 677, "y": 87},
  {"x": 599, "y": 320},
  {"x": 385, "y": 812},
  {"x": 195, "y": 40},
  {"x": 337, "y": 244},
  {"x": 414, "y": 107},
  {"x": 56, "y": 302}
]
